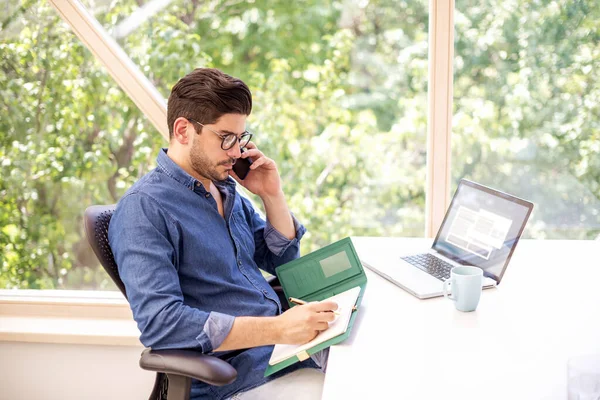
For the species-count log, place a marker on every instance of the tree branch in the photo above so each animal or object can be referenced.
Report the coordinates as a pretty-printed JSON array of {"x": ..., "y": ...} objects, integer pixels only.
[
  {"x": 123, "y": 156},
  {"x": 322, "y": 176},
  {"x": 38, "y": 108}
]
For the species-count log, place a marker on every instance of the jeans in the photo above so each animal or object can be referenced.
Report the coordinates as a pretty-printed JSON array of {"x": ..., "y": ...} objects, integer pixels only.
[{"x": 303, "y": 384}]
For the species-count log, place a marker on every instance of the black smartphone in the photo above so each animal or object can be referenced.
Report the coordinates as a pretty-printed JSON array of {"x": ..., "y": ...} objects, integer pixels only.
[{"x": 242, "y": 166}]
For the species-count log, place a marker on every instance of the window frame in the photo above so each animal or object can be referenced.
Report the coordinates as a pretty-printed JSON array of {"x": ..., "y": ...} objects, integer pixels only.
[
  {"x": 67, "y": 317},
  {"x": 439, "y": 120}
]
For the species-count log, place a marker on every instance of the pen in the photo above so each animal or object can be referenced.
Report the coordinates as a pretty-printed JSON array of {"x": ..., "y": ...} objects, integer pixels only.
[{"x": 302, "y": 302}]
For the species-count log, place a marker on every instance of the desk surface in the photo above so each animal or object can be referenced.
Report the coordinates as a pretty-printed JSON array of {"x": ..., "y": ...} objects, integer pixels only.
[{"x": 514, "y": 346}]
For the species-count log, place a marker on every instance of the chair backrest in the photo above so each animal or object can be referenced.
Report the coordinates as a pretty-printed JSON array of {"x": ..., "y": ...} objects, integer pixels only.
[{"x": 96, "y": 219}]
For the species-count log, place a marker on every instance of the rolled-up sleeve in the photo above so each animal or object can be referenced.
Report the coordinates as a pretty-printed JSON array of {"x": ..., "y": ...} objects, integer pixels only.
[
  {"x": 277, "y": 243},
  {"x": 144, "y": 240},
  {"x": 215, "y": 330}
]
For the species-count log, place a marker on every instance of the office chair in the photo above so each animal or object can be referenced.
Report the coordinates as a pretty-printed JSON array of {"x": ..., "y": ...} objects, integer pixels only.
[{"x": 174, "y": 368}]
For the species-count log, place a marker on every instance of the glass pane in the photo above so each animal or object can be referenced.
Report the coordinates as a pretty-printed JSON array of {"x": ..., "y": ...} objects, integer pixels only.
[
  {"x": 70, "y": 138},
  {"x": 340, "y": 96},
  {"x": 527, "y": 106}
]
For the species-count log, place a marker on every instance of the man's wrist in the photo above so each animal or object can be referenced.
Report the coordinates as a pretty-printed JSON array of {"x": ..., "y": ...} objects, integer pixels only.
[
  {"x": 273, "y": 199},
  {"x": 277, "y": 329}
]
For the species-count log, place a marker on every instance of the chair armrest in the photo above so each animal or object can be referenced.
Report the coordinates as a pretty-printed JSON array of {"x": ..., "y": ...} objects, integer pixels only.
[
  {"x": 276, "y": 285},
  {"x": 190, "y": 363}
]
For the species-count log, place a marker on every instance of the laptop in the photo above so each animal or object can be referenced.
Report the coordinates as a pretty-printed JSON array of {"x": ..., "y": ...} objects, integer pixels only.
[{"x": 481, "y": 228}]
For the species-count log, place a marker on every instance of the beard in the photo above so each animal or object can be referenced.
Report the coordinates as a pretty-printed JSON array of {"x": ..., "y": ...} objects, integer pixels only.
[{"x": 206, "y": 168}]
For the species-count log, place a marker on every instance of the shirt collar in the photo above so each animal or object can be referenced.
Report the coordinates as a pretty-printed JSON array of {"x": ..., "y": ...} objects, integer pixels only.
[{"x": 169, "y": 167}]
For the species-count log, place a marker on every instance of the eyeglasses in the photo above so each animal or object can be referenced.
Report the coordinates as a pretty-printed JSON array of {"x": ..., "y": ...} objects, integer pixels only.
[{"x": 228, "y": 140}]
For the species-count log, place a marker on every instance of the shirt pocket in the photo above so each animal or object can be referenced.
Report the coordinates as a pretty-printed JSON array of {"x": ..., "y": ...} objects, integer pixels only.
[{"x": 243, "y": 233}]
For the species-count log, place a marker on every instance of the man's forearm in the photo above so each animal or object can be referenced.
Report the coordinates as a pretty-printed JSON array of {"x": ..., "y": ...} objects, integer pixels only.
[
  {"x": 297, "y": 325},
  {"x": 279, "y": 215},
  {"x": 249, "y": 332}
]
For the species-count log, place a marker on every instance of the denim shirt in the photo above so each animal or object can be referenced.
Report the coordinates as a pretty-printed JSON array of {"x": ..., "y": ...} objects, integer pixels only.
[{"x": 188, "y": 272}]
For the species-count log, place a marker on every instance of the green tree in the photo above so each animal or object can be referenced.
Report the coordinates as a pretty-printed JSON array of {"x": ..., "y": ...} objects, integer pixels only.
[
  {"x": 527, "y": 109},
  {"x": 330, "y": 98},
  {"x": 68, "y": 135}
]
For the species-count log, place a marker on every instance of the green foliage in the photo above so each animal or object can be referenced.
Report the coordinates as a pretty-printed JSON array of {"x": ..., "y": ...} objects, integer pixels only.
[
  {"x": 66, "y": 131},
  {"x": 527, "y": 107},
  {"x": 340, "y": 102}
]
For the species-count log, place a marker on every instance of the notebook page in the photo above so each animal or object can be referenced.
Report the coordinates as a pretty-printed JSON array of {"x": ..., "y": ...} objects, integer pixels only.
[{"x": 345, "y": 301}]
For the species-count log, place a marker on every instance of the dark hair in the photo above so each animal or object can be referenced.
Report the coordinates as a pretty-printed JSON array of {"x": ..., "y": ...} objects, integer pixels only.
[{"x": 206, "y": 94}]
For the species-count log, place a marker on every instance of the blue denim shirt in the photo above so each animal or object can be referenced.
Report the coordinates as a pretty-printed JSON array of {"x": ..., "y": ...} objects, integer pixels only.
[{"x": 188, "y": 272}]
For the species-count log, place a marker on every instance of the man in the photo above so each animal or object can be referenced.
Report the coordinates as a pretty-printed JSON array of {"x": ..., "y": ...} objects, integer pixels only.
[{"x": 189, "y": 248}]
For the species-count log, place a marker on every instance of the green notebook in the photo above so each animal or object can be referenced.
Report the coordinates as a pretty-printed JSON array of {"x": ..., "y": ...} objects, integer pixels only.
[{"x": 334, "y": 270}]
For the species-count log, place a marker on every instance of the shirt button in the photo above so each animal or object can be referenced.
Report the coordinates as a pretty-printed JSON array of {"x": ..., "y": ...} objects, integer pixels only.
[
  {"x": 197, "y": 184},
  {"x": 207, "y": 195},
  {"x": 239, "y": 262},
  {"x": 265, "y": 292}
]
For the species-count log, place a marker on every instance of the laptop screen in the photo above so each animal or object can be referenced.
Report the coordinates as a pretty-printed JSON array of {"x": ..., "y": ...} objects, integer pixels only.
[{"x": 482, "y": 228}]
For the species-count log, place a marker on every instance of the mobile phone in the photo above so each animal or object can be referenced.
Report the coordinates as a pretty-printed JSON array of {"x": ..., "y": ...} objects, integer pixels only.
[{"x": 242, "y": 166}]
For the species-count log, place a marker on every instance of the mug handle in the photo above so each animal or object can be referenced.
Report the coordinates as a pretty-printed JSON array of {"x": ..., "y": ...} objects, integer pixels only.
[{"x": 445, "y": 290}]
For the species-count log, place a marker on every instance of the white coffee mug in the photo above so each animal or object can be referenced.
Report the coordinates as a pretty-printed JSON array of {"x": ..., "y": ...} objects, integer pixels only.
[{"x": 465, "y": 283}]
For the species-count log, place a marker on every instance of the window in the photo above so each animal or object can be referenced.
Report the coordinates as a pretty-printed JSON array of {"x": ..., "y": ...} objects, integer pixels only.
[
  {"x": 340, "y": 92},
  {"x": 70, "y": 138},
  {"x": 527, "y": 106}
]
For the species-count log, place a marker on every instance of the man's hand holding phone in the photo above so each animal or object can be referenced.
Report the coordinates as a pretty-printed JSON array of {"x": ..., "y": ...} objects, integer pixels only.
[{"x": 262, "y": 177}]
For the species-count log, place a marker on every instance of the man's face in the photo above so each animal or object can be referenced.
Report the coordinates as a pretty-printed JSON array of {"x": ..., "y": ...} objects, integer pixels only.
[{"x": 207, "y": 158}]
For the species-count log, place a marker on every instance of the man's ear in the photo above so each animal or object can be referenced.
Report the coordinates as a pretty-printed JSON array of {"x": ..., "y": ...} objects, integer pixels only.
[{"x": 181, "y": 132}]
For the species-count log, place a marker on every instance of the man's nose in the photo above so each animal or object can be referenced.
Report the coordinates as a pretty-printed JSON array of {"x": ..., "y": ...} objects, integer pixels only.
[{"x": 235, "y": 151}]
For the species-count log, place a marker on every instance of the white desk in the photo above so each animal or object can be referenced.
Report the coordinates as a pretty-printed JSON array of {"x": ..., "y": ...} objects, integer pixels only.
[{"x": 514, "y": 346}]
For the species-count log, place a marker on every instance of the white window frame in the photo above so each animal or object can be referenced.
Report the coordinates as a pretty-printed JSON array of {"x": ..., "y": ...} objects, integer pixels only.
[
  {"x": 68, "y": 317},
  {"x": 439, "y": 119},
  {"x": 63, "y": 316}
]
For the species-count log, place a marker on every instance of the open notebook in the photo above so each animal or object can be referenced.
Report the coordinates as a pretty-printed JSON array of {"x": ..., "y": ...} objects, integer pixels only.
[{"x": 345, "y": 301}]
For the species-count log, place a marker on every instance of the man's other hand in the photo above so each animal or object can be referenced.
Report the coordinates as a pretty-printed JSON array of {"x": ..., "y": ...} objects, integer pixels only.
[{"x": 301, "y": 324}]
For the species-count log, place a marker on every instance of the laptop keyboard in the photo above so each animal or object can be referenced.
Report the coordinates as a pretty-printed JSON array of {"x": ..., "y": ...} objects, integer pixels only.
[{"x": 430, "y": 264}]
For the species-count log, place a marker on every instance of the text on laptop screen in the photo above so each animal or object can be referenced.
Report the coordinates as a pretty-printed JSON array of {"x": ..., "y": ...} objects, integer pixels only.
[{"x": 481, "y": 228}]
